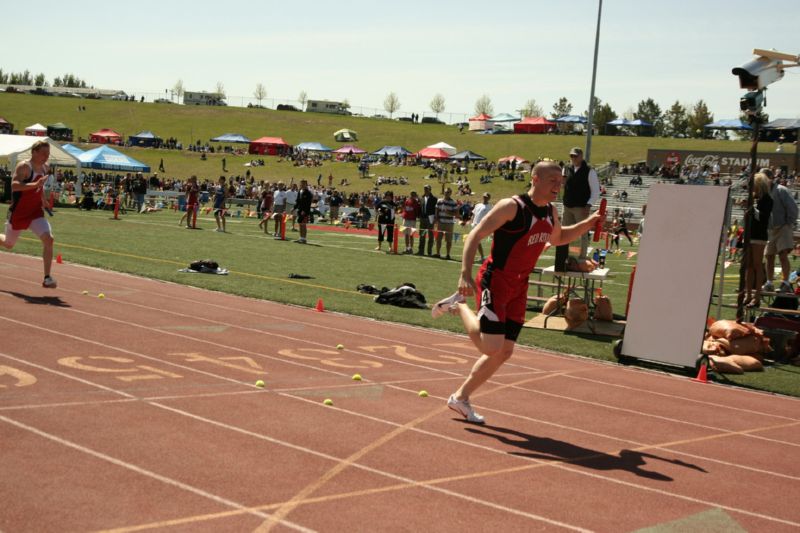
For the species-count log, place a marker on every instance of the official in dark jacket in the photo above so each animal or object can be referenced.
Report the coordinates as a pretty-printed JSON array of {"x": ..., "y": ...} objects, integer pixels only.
[
  {"x": 426, "y": 221},
  {"x": 581, "y": 191}
]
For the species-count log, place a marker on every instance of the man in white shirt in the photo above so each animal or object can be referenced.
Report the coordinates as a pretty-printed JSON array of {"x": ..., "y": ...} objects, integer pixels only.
[
  {"x": 291, "y": 199},
  {"x": 478, "y": 212},
  {"x": 279, "y": 207}
]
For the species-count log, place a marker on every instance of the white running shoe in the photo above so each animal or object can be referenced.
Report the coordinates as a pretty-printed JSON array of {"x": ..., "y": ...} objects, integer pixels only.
[
  {"x": 443, "y": 306},
  {"x": 464, "y": 408},
  {"x": 49, "y": 282}
]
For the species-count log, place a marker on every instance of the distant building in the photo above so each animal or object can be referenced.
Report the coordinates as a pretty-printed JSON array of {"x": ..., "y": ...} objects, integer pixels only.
[
  {"x": 326, "y": 106},
  {"x": 203, "y": 98}
]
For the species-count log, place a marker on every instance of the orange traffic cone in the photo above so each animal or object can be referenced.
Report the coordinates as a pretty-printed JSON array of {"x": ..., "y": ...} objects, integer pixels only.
[
  {"x": 702, "y": 374},
  {"x": 320, "y": 306},
  {"x": 58, "y": 259}
]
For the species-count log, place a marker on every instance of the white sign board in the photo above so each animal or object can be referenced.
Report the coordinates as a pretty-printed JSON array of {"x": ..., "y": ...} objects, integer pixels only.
[{"x": 675, "y": 273}]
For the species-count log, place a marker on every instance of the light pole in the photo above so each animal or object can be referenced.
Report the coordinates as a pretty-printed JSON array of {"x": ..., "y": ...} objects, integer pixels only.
[{"x": 594, "y": 77}]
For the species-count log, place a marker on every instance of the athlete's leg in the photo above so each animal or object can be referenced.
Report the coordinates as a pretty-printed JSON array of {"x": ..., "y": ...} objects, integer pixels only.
[{"x": 485, "y": 368}]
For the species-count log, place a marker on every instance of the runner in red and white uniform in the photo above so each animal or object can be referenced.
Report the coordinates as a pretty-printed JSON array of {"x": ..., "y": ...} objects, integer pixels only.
[
  {"x": 27, "y": 206},
  {"x": 192, "y": 191},
  {"x": 521, "y": 226}
]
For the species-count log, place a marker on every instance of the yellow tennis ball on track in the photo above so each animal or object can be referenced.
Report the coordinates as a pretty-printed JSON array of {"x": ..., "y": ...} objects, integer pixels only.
[
  {"x": 101, "y": 295},
  {"x": 340, "y": 346},
  {"x": 260, "y": 383},
  {"x": 423, "y": 394},
  {"x": 356, "y": 377},
  {"x": 328, "y": 401}
]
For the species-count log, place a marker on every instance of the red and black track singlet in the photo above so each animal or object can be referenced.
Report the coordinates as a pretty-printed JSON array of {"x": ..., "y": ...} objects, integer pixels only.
[
  {"x": 517, "y": 244},
  {"x": 26, "y": 206}
]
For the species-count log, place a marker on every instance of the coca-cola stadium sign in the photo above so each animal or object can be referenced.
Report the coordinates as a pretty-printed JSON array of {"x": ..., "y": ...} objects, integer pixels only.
[{"x": 729, "y": 162}]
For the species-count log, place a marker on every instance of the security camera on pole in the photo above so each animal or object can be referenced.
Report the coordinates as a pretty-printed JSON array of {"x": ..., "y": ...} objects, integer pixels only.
[{"x": 755, "y": 75}]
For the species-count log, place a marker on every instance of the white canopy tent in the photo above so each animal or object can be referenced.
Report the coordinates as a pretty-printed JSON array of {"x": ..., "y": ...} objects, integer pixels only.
[
  {"x": 451, "y": 150},
  {"x": 36, "y": 130},
  {"x": 18, "y": 148}
]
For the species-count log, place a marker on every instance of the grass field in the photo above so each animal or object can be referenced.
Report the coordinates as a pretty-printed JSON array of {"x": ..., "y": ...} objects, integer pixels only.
[
  {"x": 155, "y": 246},
  {"x": 189, "y": 123}
]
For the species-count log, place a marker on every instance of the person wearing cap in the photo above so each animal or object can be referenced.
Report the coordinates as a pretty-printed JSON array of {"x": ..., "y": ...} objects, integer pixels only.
[
  {"x": 427, "y": 215},
  {"x": 478, "y": 212},
  {"x": 581, "y": 191}
]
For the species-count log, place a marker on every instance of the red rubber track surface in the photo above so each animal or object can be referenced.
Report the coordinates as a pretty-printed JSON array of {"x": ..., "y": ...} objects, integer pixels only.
[{"x": 139, "y": 412}]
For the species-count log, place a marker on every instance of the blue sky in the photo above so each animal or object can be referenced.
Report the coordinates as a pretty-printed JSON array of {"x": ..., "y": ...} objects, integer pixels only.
[{"x": 511, "y": 50}]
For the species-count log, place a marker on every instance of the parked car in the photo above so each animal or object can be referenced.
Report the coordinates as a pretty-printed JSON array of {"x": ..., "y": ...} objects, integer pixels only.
[
  {"x": 430, "y": 120},
  {"x": 162, "y": 101}
]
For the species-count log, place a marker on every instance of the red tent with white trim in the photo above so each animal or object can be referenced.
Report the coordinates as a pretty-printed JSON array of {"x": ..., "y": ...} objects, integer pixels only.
[
  {"x": 432, "y": 153},
  {"x": 480, "y": 122},
  {"x": 268, "y": 146}
]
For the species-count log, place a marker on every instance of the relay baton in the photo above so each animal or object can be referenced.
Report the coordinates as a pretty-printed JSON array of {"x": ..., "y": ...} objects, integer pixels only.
[{"x": 599, "y": 226}]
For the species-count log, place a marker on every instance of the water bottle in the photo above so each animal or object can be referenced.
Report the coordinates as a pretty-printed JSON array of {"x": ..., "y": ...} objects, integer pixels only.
[
  {"x": 602, "y": 261},
  {"x": 596, "y": 256}
]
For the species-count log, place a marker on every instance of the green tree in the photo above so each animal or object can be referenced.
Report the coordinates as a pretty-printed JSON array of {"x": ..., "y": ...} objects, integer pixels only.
[
  {"x": 40, "y": 80},
  {"x": 3, "y": 77},
  {"x": 603, "y": 114},
  {"x": 562, "y": 108},
  {"x": 676, "y": 121},
  {"x": 649, "y": 111},
  {"x": 302, "y": 98},
  {"x": 698, "y": 118}
]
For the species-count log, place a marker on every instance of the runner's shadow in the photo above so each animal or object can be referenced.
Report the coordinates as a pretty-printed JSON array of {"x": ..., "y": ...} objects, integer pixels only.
[
  {"x": 55, "y": 301},
  {"x": 548, "y": 449}
]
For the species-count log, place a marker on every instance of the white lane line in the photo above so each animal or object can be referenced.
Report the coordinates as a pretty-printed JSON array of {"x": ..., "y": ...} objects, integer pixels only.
[{"x": 148, "y": 473}]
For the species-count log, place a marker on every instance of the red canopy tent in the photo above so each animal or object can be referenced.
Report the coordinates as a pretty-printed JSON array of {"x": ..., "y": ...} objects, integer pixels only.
[
  {"x": 534, "y": 125},
  {"x": 105, "y": 136},
  {"x": 432, "y": 153},
  {"x": 269, "y": 146}
]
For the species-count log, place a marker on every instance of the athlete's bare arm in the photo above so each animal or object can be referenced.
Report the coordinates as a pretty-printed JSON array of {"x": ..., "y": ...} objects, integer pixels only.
[
  {"x": 567, "y": 234},
  {"x": 21, "y": 173}
]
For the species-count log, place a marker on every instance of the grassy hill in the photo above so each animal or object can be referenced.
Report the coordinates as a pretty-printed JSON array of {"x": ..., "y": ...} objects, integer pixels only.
[{"x": 189, "y": 123}]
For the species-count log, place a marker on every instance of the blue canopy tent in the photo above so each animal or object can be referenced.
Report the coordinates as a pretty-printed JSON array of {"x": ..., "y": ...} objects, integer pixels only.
[
  {"x": 313, "y": 147},
  {"x": 72, "y": 149},
  {"x": 781, "y": 130},
  {"x": 619, "y": 122},
  {"x": 571, "y": 119},
  {"x": 106, "y": 158},
  {"x": 231, "y": 138},
  {"x": 467, "y": 155},
  {"x": 729, "y": 124},
  {"x": 392, "y": 151},
  {"x": 783, "y": 124},
  {"x": 145, "y": 138},
  {"x": 638, "y": 122}
]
